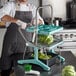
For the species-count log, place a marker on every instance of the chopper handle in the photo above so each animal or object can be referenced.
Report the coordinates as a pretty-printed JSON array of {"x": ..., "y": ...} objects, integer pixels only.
[
  {"x": 41, "y": 7},
  {"x": 35, "y": 30}
]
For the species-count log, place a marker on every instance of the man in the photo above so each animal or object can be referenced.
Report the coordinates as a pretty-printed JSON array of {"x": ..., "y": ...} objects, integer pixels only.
[{"x": 16, "y": 14}]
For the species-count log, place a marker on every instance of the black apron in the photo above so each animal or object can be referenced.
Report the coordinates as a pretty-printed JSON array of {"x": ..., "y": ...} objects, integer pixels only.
[{"x": 14, "y": 45}]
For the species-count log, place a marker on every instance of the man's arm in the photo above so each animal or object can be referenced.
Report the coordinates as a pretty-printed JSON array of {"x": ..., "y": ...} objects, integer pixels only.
[
  {"x": 20, "y": 23},
  {"x": 7, "y": 18}
]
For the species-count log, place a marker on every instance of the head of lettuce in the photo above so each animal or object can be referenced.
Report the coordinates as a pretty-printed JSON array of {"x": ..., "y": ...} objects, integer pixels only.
[
  {"x": 45, "y": 39},
  {"x": 68, "y": 71}
]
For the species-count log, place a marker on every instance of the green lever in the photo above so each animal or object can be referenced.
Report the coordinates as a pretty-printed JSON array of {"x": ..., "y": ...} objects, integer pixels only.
[{"x": 27, "y": 67}]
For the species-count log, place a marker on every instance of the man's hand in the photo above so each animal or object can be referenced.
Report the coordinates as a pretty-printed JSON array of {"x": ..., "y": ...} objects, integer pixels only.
[
  {"x": 8, "y": 18},
  {"x": 39, "y": 22},
  {"x": 21, "y": 24}
]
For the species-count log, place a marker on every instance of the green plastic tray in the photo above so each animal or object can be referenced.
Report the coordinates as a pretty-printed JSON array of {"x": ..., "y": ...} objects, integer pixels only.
[{"x": 45, "y": 29}]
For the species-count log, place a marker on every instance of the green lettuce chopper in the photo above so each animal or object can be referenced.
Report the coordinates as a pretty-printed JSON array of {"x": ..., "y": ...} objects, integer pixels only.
[{"x": 41, "y": 30}]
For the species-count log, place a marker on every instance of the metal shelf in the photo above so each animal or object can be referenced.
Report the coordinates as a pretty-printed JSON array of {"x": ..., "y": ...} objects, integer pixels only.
[{"x": 52, "y": 45}]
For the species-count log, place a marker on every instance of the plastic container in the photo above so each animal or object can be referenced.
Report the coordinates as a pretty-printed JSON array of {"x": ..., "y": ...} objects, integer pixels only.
[{"x": 51, "y": 61}]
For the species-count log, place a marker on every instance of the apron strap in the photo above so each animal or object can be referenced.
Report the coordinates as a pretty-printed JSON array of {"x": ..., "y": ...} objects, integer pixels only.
[{"x": 17, "y": 6}]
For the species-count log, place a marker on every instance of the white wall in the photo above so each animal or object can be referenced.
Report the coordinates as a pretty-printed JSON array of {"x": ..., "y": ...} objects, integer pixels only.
[
  {"x": 35, "y": 2},
  {"x": 59, "y": 8}
]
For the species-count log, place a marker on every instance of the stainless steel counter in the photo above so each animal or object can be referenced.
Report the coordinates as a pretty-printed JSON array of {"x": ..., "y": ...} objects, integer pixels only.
[{"x": 56, "y": 69}]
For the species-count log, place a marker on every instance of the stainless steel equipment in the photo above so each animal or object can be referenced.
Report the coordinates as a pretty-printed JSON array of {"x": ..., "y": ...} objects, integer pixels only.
[{"x": 69, "y": 38}]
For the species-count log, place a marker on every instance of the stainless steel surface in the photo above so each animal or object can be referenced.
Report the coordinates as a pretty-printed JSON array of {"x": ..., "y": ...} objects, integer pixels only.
[
  {"x": 55, "y": 69},
  {"x": 67, "y": 35},
  {"x": 69, "y": 39}
]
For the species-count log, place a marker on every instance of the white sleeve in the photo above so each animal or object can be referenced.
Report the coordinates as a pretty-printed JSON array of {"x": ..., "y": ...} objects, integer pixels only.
[
  {"x": 5, "y": 10},
  {"x": 34, "y": 14}
]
